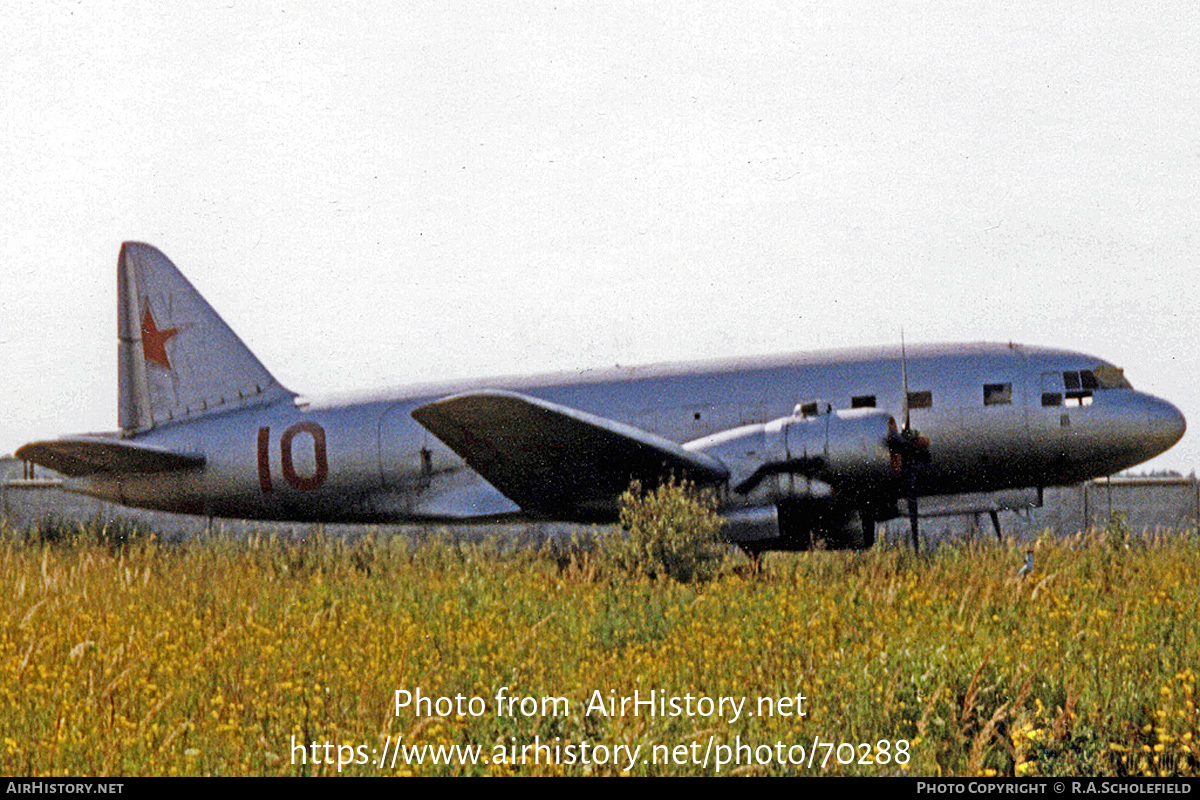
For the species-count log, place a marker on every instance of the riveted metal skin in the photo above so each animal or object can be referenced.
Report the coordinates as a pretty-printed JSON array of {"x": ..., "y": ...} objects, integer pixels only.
[{"x": 207, "y": 430}]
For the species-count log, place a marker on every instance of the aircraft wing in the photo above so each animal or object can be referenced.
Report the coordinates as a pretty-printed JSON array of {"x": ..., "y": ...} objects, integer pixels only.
[
  {"x": 554, "y": 460},
  {"x": 75, "y": 456}
]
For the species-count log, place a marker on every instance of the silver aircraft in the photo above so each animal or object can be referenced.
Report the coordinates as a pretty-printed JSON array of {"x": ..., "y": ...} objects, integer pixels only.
[{"x": 797, "y": 447}]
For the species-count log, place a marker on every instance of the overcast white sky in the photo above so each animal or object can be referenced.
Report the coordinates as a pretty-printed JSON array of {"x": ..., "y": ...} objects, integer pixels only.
[{"x": 405, "y": 192}]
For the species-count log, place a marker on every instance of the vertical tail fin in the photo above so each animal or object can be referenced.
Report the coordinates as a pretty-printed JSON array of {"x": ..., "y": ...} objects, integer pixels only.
[{"x": 177, "y": 358}]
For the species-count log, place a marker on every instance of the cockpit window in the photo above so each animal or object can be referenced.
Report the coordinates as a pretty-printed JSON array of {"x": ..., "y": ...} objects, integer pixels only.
[
  {"x": 1109, "y": 377},
  {"x": 1102, "y": 377},
  {"x": 1079, "y": 385}
]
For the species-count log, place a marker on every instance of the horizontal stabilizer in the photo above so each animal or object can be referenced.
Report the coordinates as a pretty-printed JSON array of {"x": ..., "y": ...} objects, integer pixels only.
[
  {"x": 76, "y": 456},
  {"x": 554, "y": 460}
]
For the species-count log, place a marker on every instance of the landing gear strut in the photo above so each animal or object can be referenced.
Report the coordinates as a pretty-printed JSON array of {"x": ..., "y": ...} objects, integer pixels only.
[{"x": 995, "y": 515}]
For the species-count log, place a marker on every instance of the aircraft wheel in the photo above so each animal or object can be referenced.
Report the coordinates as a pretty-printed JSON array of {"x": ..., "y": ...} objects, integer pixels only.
[
  {"x": 868, "y": 529},
  {"x": 795, "y": 527}
]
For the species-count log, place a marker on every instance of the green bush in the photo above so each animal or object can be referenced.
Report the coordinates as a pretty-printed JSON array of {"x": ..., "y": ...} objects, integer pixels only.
[{"x": 673, "y": 532}]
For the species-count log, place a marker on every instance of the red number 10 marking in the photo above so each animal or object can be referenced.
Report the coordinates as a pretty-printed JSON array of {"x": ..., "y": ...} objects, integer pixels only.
[{"x": 300, "y": 482}]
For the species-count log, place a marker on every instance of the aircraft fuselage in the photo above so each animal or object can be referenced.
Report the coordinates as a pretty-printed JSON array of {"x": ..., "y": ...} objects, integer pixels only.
[{"x": 996, "y": 417}]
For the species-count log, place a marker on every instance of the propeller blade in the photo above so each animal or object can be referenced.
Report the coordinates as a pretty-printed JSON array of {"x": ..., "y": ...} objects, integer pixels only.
[
  {"x": 912, "y": 522},
  {"x": 904, "y": 382},
  {"x": 910, "y": 453}
]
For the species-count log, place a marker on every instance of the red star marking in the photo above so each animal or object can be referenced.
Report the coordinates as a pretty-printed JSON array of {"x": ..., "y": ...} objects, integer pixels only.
[{"x": 154, "y": 341}]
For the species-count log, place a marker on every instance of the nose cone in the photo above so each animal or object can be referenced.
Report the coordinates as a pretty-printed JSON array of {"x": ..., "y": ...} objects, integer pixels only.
[{"x": 1165, "y": 424}]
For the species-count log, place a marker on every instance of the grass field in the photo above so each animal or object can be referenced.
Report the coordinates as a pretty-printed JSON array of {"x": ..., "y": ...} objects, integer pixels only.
[{"x": 208, "y": 657}]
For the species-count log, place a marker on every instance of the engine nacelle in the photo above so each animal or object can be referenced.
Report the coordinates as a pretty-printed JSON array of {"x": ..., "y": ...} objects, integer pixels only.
[
  {"x": 814, "y": 457},
  {"x": 751, "y": 524}
]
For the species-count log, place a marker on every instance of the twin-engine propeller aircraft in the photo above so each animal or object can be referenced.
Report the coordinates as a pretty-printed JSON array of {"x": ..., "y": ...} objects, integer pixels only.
[{"x": 797, "y": 447}]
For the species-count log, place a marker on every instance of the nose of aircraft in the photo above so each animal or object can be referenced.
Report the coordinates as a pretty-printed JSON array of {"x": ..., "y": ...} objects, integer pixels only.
[{"x": 1165, "y": 424}]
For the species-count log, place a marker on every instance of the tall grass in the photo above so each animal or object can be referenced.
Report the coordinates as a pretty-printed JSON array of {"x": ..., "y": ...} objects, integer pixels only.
[{"x": 121, "y": 655}]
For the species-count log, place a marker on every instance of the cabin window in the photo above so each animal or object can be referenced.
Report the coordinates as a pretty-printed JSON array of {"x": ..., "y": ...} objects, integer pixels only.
[
  {"x": 920, "y": 400},
  {"x": 1052, "y": 398},
  {"x": 812, "y": 408},
  {"x": 863, "y": 401},
  {"x": 997, "y": 394}
]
